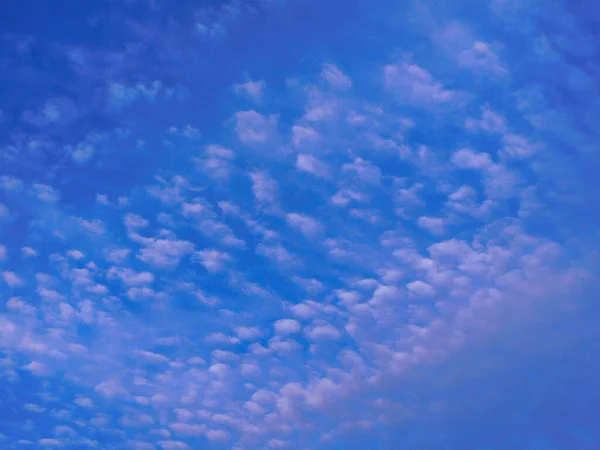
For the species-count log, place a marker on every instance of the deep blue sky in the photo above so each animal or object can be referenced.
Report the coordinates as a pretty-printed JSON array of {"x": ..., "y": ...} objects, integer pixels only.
[{"x": 299, "y": 224}]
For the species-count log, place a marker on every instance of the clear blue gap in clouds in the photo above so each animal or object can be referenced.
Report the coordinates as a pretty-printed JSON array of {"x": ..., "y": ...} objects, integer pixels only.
[{"x": 290, "y": 224}]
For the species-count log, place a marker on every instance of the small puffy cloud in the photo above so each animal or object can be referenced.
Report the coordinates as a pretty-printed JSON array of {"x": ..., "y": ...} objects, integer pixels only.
[
  {"x": 94, "y": 226},
  {"x": 213, "y": 260},
  {"x": 45, "y": 193},
  {"x": 490, "y": 121},
  {"x": 55, "y": 111},
  {"x": 308, "y": 226},
  {"x": 110, "y": 388},
  {"x": 37, "y": 368},
  {"x": 217, "y": 435},
  {"x": 116, "y": 255},
  {"x": 219, "y": 369},
  {"x": 216, "y": 162},
  {"x": 286, "y": 326},
  {"x": 150, "y": 357},
  {"x": 264, "y": 188},
  {"x": 120, "y": 95},
  {"x": 28, "y": 252},
  {"x": 220, "y": 338},
  {"x": 253, "y": 128},
  {"x": 420, "y": 289},
  {"x": 277, "y": 253},
  {"x": 345, "y": 196},
  {"x": 304, "y": 310},
  {"x": 364, "y": 170},
  {"x": 50, "y": 443},
  {"x": 12, "y": 279},
  {"x": 254, "y": 90},
  {"x": 308, "y": 163},
  {"x": 322, "y": 333},
  {"x": 480, "y": 57},
  {"x": 130, "y": 277},
  {"x": 303, "y": 136},
  {"x": 34, "y": 408},
  {"x": 164, "y": 253},
  {"x": 82, "y": 153},
  {"x": 248, "y": 333},
  {"x": 84, "y": 402},
  {"x": 173, "y": 445},
  {"x": 75, "y": 254},
  {"x": 468, "y": 159},
  {"x": 517, "y": 146},
  {"x": 333, "y": 76},
  {"x": 435, "y": 225},
  {"x": 10, "y": 183},
  {"x": 415, "y": 85}
]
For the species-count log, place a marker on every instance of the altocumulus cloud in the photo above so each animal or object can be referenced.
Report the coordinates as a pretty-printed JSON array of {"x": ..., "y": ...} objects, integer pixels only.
[{"x": 376, "y": 228}]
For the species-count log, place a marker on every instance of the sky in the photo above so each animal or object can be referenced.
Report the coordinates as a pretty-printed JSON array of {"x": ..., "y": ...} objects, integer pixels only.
[{"x": 299, "y": 224}]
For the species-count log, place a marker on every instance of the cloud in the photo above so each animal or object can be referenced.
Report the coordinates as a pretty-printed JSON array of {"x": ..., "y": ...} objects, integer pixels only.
[
  {"x": 364, "y": 170},
  {"x": 287, "y": 326},
  {"x": 468, "y": 159},
  {"x": 253, "y": 128},
  {"x": 254, "y": 90},
  {"x": 264, "y": 188},
  {"x": 56, "y": 111},
  {"x": 365, "y": 255},
  {"x": 12, "y": 279},
  {"x": 413, "y": 84},
  {"x": 308, "y": 226},
  {"x": 322, "y": 333},
  {"x": 435, "y": 225},
  {"x": 335, "y": 77},
  {"x": 308, "y": 163}
]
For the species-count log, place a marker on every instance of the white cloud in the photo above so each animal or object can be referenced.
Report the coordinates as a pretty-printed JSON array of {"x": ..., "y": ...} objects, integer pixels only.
[
  {"x": 304, "y": 136},
  {"x": 217, "y": 435},
  {"x": 253, "y": 90},
  {"x": 468, "y": 159},
  {"x": 335, "y": 77},
  {"x": 84, "y": 402},
  {"x": 248, "y": 333},
  {"x": 287, "y": 326},
  {"x": 435, "y": 225},
  {"x": 50, "y": 443},
  {"x": 173, "y": 445},
  {"x": 45, "y": 193},
  {"x": 308, "y": 163},
  {"x": 150, "y": 357},
  {"x": 56, "y": 111},
  {"x": 323, "y": 333},
  {"x": 415, "y": 85},
  {"x": 164, "y": 253},
  {"x": 37, "y": 368},
  {"x": 82, "y": 153},
  {"x": 12, "y": 279},
  {"x": 253, "y": 128},
  {"x": 130, "y": 277},
  {"x": 264, "y": 188},
  {"x": 420, "y": 288},
  {"x": 364, "y": 170},
  {"x": 308, "y": 226},
  {"x": 480, "y": 57},
  {"x": 216, "y": 162},
  {"x": 213, "y": 260},
  {"x": 27, "y": 252}
]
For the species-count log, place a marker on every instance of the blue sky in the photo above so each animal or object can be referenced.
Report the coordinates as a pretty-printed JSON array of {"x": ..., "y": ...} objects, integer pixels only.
[{"x": 300, "y": 225}]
